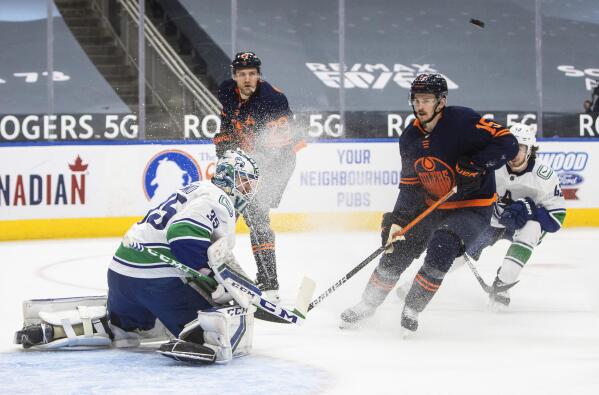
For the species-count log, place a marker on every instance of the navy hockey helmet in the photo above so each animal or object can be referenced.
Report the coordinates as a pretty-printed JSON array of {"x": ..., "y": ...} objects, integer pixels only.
[
  {"x": 429, "y": 83},
  {"x": 245, "y": 60}
]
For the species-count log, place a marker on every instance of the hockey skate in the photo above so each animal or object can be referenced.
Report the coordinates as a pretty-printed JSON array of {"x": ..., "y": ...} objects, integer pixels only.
[
  {"x": 499, "y": 300},
  {"x": 352, "y": 317},
  {"x": 34, "y": 334},
  {"x": 409, "y": 321}
]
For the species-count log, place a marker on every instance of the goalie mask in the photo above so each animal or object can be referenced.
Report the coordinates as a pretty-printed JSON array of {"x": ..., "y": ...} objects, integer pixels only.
[
  {"x": 525, "y": 136},
  {"x": 237, "y": 174}
]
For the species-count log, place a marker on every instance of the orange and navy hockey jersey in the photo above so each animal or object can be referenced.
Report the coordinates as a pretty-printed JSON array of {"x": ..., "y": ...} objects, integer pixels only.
[
  {"x": 260, "y": 122},
  {"x": 428, "y": 160}
]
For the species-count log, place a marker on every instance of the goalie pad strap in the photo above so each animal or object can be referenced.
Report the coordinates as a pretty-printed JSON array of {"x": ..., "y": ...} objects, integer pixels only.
[{"x": 82, "y": 326}]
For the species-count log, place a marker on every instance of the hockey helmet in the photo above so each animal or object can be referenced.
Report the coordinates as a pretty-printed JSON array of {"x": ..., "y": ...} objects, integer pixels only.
[
  {"x": 429, "y": 83},
  {"x": 525, "y": 136},
  {"x": 245, "y": 60},
  {"x": 237, "y": 175}
]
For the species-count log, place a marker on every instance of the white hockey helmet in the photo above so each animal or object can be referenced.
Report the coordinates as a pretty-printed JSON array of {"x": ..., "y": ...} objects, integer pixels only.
[
  {"x": 237, "y": 174},
  {"x": 525, "y": 136}
]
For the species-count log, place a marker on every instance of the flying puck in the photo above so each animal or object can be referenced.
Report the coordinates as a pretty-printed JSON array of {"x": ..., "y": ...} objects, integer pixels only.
[{"x": 477, "y": 22}]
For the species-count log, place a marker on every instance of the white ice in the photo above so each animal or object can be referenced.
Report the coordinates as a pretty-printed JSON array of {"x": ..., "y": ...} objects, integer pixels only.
[{"x": 546, "y": 343}]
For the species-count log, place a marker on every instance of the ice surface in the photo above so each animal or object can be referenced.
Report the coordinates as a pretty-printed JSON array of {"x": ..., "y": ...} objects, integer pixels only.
[{"x": 547, "y": 343}]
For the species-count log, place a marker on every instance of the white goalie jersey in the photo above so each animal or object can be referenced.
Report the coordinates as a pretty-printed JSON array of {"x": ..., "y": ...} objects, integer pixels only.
[
  {"x": 539, "y": 183},
  {"x": 182, "y": 227}
]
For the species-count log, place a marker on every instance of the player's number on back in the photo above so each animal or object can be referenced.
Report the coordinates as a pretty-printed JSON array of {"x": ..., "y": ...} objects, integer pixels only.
[{"x": 158, "y": 217}]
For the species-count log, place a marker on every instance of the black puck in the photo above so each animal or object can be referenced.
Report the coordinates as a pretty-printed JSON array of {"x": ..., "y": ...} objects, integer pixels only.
[{"x": 477, "y": 22}]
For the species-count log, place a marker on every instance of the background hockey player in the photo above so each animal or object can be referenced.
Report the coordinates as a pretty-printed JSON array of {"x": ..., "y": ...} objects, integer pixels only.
[
  {"x": 188, "y": 226},
  {"x": 443, "y": 147},
  {"x": 531, "y": 204},
  {"x": 256, "y": 117}
]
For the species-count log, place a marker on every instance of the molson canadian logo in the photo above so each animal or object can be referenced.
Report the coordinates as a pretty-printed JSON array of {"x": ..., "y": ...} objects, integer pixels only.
[{"x": 67, "y": 188}]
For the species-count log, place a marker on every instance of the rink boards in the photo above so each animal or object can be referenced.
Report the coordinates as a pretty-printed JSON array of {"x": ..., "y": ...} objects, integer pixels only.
[{"x": 99, "y": 190}]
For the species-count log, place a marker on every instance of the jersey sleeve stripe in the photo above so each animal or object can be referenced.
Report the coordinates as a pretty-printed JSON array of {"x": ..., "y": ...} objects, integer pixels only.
[
  {"x": 181, "y": 230},
  {"x": 193, "y": 221},
  {"x": 189, "y": 238}
]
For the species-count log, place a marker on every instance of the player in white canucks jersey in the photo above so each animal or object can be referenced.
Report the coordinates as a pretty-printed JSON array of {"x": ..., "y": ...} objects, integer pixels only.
[
  {"x": 142, "y": 287},
  {"x": 530, "y": 204}
]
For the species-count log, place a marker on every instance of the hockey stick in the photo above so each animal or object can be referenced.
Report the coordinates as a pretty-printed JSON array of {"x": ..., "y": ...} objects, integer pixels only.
[
  {"x": 488, "y": 289},
  {"x": 380, "y": 250},
  {"x": 274, "y": 313}
]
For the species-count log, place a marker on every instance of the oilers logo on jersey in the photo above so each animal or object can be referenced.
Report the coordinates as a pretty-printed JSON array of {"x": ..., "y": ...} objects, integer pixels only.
[{"x": 436, "y": 176}]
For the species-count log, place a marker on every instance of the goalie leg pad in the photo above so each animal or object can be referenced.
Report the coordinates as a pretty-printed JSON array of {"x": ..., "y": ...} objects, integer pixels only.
[
  {"x": 74, "y": 323},
  {"x": 85, "y": 327},
  {"x": 228, "y": 331}
]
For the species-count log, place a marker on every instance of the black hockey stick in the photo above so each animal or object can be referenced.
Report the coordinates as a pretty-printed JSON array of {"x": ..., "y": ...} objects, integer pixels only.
[
  {"x": 380, "y": 250},
  {"x": 488, "y": 289}
]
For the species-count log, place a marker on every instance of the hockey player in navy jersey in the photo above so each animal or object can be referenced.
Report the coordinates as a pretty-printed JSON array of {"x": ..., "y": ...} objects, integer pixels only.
[
  {"x": 531, "y": 204},
  {"x": 443, "y": 147},
  {"x": 206, "y": 324},
  {"x": 256, "y": 117}
]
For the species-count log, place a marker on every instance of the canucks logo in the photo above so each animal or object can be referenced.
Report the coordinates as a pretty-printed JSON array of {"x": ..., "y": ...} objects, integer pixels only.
[
  {"x": 168, "y": 171},
  {"x": 435, "y": 175}
]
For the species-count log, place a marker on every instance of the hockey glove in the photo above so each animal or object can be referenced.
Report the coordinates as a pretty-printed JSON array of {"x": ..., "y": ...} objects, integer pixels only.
[
  {"x": 517, "y": 214},
  {"x": 392, "y": 223},
  {"x": 468, "y": 175}
]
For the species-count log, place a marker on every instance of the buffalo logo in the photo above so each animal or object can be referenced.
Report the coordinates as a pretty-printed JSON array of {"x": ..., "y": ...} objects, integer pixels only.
[{"x": 436, "y": 176}]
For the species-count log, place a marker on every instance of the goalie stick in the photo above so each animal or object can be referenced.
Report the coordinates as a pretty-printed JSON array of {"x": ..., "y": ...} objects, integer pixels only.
[{"x": 271, "y": 312}]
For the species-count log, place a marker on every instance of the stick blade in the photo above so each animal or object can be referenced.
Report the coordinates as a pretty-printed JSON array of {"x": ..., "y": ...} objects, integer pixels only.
[{"x": 304, "y": 296}]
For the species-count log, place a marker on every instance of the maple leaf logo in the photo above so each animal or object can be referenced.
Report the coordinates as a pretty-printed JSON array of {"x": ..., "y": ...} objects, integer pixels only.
[{"x": 78, "y": 165}]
